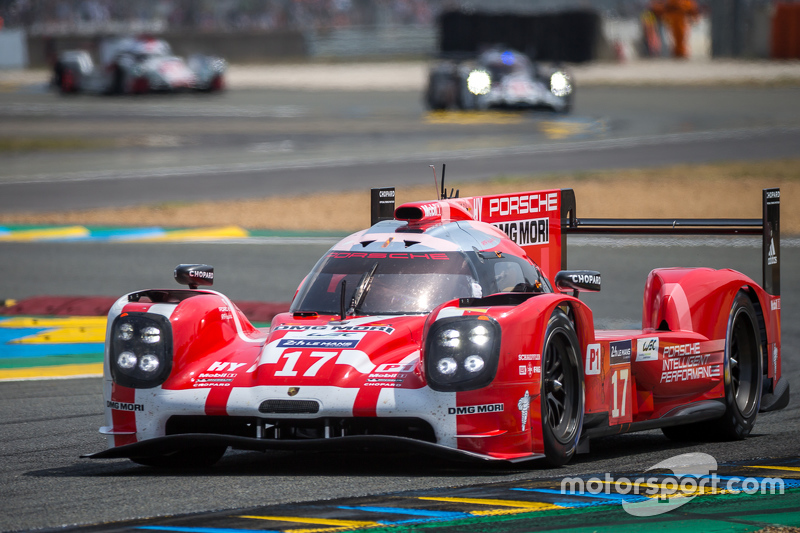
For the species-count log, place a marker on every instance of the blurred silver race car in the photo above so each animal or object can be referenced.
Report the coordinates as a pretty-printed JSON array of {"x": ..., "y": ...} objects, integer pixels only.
[
  {"x": 499, "y": 78},
  {"x": 135, "y": 66}
]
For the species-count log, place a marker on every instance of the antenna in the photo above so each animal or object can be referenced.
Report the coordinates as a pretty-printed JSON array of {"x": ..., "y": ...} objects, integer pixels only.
[
  {"x": 444, "y": 189},
  {"x": 435, "y": 182}
]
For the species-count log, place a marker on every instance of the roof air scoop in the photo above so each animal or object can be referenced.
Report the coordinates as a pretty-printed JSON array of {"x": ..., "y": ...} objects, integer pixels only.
[{"x": 437, "y": 211}]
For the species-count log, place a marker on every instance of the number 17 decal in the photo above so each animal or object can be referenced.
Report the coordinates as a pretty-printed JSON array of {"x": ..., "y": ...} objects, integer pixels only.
[{"x": 621, "y": 395}]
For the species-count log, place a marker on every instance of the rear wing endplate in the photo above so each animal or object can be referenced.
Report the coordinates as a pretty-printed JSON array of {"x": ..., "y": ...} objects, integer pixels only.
[{"x": 768, "y": 226}]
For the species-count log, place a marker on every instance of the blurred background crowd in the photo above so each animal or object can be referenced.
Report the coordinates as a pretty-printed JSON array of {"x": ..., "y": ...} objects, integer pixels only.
[
  {"x": 66, "y": 16},
  {"x": 268, "y": 30}
]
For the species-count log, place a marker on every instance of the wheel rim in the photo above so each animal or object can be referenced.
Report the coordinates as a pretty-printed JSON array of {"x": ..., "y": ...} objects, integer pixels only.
[
  {"x": 560, "y": 389},
  {"x": 743, "y": 361}
]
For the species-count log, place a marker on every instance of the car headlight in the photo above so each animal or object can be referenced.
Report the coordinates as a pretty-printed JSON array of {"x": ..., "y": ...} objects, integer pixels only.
[
  {"x": 140, "y": 350},
  {"x": 560, "y": 84},
  {"x": 462, "y": 353},
  {"x": 479, "y": 82}
]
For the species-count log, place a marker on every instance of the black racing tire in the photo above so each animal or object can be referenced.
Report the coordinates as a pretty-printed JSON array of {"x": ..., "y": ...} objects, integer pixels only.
[
  {"x": 465, "y": 100},
  {"x": 742, "y": 377},
  {"x": 562, "y": 395},
  {"x": 118, "y": 82},
  {"x": 199, "y": 457},
  {"x": 439, "y": 94},
  {"x": 743, "y": 369}
]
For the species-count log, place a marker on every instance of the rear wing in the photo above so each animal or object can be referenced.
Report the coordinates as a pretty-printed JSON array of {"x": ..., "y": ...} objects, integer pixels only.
[
  {"x": 541, "y": 221},
  {"x": 768, "y": 226}
]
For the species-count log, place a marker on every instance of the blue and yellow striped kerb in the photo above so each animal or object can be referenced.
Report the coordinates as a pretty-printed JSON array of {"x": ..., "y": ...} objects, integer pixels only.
[
  {"x": 51, "y": 347},
  {"x": 87, "y": 233}
]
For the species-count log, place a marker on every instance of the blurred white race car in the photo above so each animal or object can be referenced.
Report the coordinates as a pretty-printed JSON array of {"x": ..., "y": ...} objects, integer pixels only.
[
  {"x": 499, "y": 78},
  {"x": 135, "y": 66}
]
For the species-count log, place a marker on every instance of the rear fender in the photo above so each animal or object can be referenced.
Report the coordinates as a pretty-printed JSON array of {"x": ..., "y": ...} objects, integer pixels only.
[{"x": 699, "y": 300}]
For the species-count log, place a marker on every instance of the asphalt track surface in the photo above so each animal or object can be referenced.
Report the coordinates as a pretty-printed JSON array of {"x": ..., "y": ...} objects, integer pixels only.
[
  {"x": 46, "y": 425},
  {"x": 266, "y": 142}
]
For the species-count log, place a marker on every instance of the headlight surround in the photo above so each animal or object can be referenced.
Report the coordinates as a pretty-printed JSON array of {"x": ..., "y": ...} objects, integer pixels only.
[
  {"x": 560, "y": 84},
  {"x": 140, "y": 351},
  {"x": 470, "y": 363},
  {"x": 479, "y": 82}
]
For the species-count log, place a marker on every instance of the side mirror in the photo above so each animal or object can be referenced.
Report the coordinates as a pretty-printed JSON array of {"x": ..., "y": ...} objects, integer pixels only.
[
  {"x": 194, "y": 275},
  {"x": 578, "y": 281}
]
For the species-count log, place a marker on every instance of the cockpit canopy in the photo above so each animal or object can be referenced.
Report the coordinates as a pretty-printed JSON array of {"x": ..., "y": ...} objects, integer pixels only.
[{"x": 395, "y": 283}]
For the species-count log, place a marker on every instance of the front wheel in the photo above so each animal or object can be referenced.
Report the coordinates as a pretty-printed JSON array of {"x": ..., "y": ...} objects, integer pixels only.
[{"x": 561, "y": 390}]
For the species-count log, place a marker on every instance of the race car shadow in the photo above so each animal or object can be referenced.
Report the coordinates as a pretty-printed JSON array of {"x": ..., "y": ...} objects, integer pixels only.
[{"x": 607, "y": 452}]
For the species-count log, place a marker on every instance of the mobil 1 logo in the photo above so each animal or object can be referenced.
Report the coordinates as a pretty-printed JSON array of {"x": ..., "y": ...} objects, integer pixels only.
[{"x": 620, "y": 352}]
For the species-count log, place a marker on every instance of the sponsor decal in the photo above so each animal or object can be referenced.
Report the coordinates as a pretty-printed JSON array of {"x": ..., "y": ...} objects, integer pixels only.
[
  {"x": 529, "y": 370},
  {"x": 225, "y": 312},
  {"x": 200, "y": 274},
  {"x": 382, "y": 329},
  {"x": 774, "y": 358},
  {"x": 523, "y": 204},
  {"x": 122, "y": 406},
  {"x": 216, "y": 375},
  {"x": 772, "y": 257},
  {"x": 593, "y": 360},
  {"x": 524, "y": 405},
  {"x": 321, "y": 339},
  {"x": 394, "y": 368},
  {"x": 437, "y": 256},
  {"x": 390, "y": 374},
  {"x": 620, "y": 352},
  {"x": 773, "y": 195},
  {"x": 476, "y": 409},
  {"x": 775, "y": 305},
  {"x": 225, "y": 367},
  {"x": 686, "y": 367},
  {"x": 431, "y": 210},
  {"x": 386, "y": 193},
  {"x": 680, "y": 350},
  {"x": 585, "y": 278},
  {"x": 526, "y": 232},
  {"x": 212, "y": 382},
  {"x": 647, "y": 349},
  {"x": 395, "y": 380},
  {"x": 533, "y": 366}
]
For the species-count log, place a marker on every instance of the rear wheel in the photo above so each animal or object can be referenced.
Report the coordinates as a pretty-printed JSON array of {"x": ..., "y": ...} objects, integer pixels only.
[
  {"x": 561, "y": 390},
  {"x": 743, "y": 380},
  {"x": 203, "y": 456}
]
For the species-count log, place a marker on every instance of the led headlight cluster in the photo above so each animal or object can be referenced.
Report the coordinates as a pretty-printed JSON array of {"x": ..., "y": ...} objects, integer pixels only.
[
  {"x": 479, "y": 82},
  {"x": 461, "y": 353},
  {"x": 560, "y": 84},
  {"x": 140, "y": 350}
]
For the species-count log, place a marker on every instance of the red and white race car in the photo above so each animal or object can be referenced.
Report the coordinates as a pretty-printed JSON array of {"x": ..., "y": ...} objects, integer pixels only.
[
  {"x": 450, "y": 327},
  {"x": 138, "y": 65}
]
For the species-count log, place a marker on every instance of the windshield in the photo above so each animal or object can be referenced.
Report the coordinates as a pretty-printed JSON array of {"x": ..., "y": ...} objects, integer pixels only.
[{"x": 399, "y": 283}]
